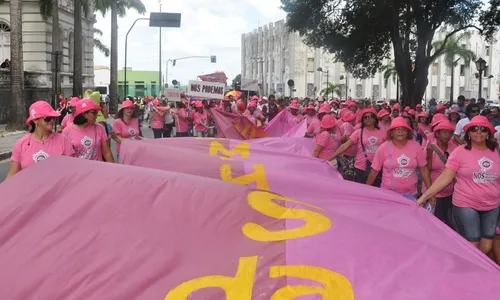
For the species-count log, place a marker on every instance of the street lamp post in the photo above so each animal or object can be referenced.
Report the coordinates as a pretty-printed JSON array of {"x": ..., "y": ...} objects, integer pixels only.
[
  {"x": 126, "y": 48},
  {"x": 327, "y": 81},
  {"x": 481, "y": 67}
]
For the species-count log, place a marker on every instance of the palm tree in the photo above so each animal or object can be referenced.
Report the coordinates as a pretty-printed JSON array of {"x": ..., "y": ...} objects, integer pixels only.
[
  {"x": 454, "y": 49},
  {"x": 332, "y": 88},
  {"x": 18, "y": 108},
  {"x": 78, "y": 45},
  {"x": 99, "y": 45},
  {"x": 389, "y": 72}
]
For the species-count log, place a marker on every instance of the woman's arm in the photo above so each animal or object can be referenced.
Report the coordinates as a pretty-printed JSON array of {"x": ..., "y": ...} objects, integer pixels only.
[
  {"x": 13, "y": 169},
  {"x": 371, "y": 178},
  {"x": 317, "y": 150},
  {"x": 429, "y": 157},
  {"x": 341, "y": 149},
  {"x": 106, "y": 152},
  {"x": 441, "y": 182},
  {"x": 426, "y": 176}
]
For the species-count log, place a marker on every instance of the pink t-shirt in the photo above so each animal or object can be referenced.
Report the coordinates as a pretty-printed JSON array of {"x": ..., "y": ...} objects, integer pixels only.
[
  {"x": 372, "y": 140},
  {"x": 438, "y": 168},
  {"x": 478, "y": 184},
  {"x": 399, "y": 166},
  {"x": 200, "y": 118},
  {"x": 297, "y": 118},
  {"x": 28, "y": 150},
  {"x": 126, "y": 131},
  {"x": 347, "y": 129},
  {"x": 68, "y": 119},
  {"x": 180, "y": 124},
  {"x": 158, "y": 121},
  {"x": 314, "y": 128},
  {"x": 329, "y": 145},
  {"x": 310, "y": 119},
  {"x": 87, "y": 142},
  {"x": 423, "y": 128}
]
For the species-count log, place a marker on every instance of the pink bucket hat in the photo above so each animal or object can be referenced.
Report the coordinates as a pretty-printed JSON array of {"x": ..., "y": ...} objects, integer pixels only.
[
  {"x": 437, "y": 118},
  {"x": 396, "y": 106},
  {"x": 399, "y": 122},
  {"x": 294, "y": 106},
  {"x": 324, "y": 110},
  {"x": 480, "y": 121},
  {"x": 369, "y": 111},
  {"x": 382, "y": 113},
  {"x": 407, "y": 109},
  {"x": 423, "y": 115},
  {"x": 85, "y": 105},
  {"x": 348, "y": 116},
  {"x": 252, "y": 105},
  {"x": 41, "y": 109},
  {"x": 127, "y": 104},
  {"x": 198, "y": 104},
  {"x": 328, "y": 121},
  {"x": 411, "y": 112},
  {"x": 310, "y": 106},
  {"x": 440, "y": 107},
  {"x": 444, "y": 125},
  {"x": 73, "y": 101},
  {"x": 351, "y": 104},
  {"x": 419, "y": 106}
]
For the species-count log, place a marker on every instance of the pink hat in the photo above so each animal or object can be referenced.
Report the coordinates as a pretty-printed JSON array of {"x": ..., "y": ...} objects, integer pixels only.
[
  {"x": 41, "y": 109},
  {"x": 407, "y": 108},
  {"x": 324, "y": 110},
  {"x": 419, "y": 106},
  {"x": 252, "y": 105},
  {"x": 440, "y": 107},
  {"x": 295, "y": 102},
  {"x": 444, "y": 125},
  {"x": 351, "y": 104},
  {"x": 411, "y": 112},
  {"x": 328, "y": 121},
  {"x": 85, "y": 105},
  {"x": 348, "y": 116},
  {"x": 310, "y": 106},
  {"x": 254, "y": 97},
  {"x": 198, "y": 104},
  {"x": 423, "y": 115},
  {"x": 226, "y": 99},
  {"x": 382, "y": 113},
  {"x": 156, "y": 102},
  {"x": 294, "y": 106},
  {"x": 455, "y": 111},
  {"x": 437, "y": 118},
  {"x": 369, "y": 110},
  {"x": 73, "y": 101},
  {"x": 480, "y": 121},
  {"x": 384, "y": 104},
  {"x": 396, "y": 106},
  {"x": 127, "y": 104},
  {"x": 400, "y": 122}
]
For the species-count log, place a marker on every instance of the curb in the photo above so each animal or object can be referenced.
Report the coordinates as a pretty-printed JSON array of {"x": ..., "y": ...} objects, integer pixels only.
[{"x": 5, "y": 155}]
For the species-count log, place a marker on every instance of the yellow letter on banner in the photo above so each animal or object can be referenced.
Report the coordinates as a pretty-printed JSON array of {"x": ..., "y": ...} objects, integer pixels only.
[
  {"x": 335, "y": 286},
  {"x": 258, "y": 176},
  {"x": 238, "y": 287},
  {"x": 243, "y": 149},
  {"x": 315, "y": 223}
]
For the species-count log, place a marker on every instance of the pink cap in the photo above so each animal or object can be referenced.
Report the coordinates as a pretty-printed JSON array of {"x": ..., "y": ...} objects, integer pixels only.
[
  {"x": 419, "y": 106},
  {"x": 400, "y": 122},
  {"x": 444, "y": 125},
  {"x": 226, "y": 99},
  {"x": 198, "y": 104},
  {"x": 310, "y": 106},
  {"x": 351, "y": 104},
  {"x": 480, "y": 121},
  {"x": 324, "y": 110},
  {"x": 85, "y": 105},
  {"x": 348, "y": 116},
  {"x": 423, "y": 115},
  {"x": 440, "y": 107},
  {"x": 127, "y": 104},
  {"x": 295, "y": 102},
  {"x": 437, "y": 118},
  {"x": 454, "y": 111},
  {"x": 411, "y": 112},
  {"x": 407, "y": 108},
  {"x": 73, "y": 101},
  {"x": 396, "y": 106},
  {"x": 252, "y": 105},
  {"x": 328, "y": 121},
  {"x": 382, "y": 113},
  {"x": 294, "y": 106},
  {"x": 369, "y": 110},
  {"x": 41, "y": 109},
  {"x": 241, "y": 105},
  {"x": 156, "y": 102}
]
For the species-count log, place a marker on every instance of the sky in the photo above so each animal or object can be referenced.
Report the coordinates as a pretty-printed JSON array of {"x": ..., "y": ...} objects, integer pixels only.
[{"x": 207, "y": 28}]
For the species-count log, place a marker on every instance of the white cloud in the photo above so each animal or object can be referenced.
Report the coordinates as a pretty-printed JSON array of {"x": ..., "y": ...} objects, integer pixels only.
[{"x": 207, "y": 28}]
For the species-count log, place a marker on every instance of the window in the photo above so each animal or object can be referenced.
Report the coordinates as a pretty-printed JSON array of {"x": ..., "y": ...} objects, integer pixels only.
[
  {"x": 342, "y": 68},
  {"x": 4, "y": 41},
  {"x": 461, "y": 90},
  {"x": 485, "y": 93},
  {"x": 434, "y": 69},
  {"x": 310, "y": 90},
  {"x": 375, "y": 91},
  {"x": 447, "y": 92},
  {"x": 310, "y": 64},
  {"x": 487, "y": 50},
  {"x": 359, "y": 90},
  {"x": 434, "y": 92},
  {"x": 486, "y": 72},
  {"x": 462, "y": 70}
]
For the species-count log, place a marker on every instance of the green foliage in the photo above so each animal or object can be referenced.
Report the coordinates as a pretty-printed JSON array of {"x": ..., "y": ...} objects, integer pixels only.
[
  {"x": 332, "y": 88},
  {"x": 236, "y": 79},
  {"x": 99, "y": 45},
  {"x": 454, "y": 50},
  {"x": 389, "y": 72},
  {"x": 104, "y": 6}
]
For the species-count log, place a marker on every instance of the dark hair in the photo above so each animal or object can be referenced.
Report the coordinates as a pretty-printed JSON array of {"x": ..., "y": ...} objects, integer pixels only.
[
  {"x": 469, "y": 108},
  {"x": 363, "y": 123},
  {"x": 119, "y": 115},
  {"x": 490, "y": 142},
  {"x": 486, "y": 112},
  {"x": 33, "y": 126},
  {"x": 79, "y": 120},
  {"x": 181, "y": 105}
]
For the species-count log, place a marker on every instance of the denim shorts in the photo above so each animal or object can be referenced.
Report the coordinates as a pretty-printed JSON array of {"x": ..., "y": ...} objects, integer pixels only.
[{"x": 474, "y": 225}]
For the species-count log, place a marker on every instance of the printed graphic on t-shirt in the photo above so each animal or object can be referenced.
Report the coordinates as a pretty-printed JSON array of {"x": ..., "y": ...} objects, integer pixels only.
[
  {"x": 131, "y": 131},
  {"x": 39, "y": 156},
  {"x": 88, "y": 151},
  {"x": 372, "y": 147},
  {"x": 402, "y": 171},
  {"x": 483, "y": 176}
]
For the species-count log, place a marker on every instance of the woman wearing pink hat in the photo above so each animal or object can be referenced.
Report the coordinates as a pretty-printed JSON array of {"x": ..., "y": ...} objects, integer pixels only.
[
  {"x": 89, "y": 140},
  {"x": 471, "y": 111},
  {"x": 158, "y": 118},
  {"x": 181, "y": 120},
  {"x": 41, "y": 142},
  {"x": 423, "y": 124},
  {"x": 454, "y": 117},
  {"x": 68, "y": 118},
  {"x": 254, "y": 115},
  {"x": 476, "y": 198},
  {"x": 313, "y": 129},
  {"x": 438, "y": 151},
  {"x": 126, "y": 126},
  {"x": 200, "y": 120},
  {"x": 325, "y": 142},
  {"x": 398, "y": 158},
  {"x": 395, "y": 110},
  {"x": 310, "y": 114},
  {"x": 384, "y": 118},
  {"x": 346, "y": 161},
  {"x": 366, "y": 140},
  {"x": 294, "y": 110}
]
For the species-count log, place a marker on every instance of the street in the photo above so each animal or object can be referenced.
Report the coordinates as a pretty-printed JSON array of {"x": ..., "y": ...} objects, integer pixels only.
[{"x": 4, "y": 165}]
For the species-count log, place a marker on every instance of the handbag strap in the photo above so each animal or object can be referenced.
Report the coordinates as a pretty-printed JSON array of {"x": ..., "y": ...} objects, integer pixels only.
[
  {"x": 389, "y": 148},
  {"x": 440, "y": 154},
  {"x": 363, "y": 145}
]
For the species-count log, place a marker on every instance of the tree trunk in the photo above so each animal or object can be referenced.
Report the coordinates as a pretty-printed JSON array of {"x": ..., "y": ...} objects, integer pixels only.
[
  {"x": 18, "y": 111},
  {"x": 56, "y": 46},
  {"x": 452, "y": 79},
  {"x": 113, "y": 86},
  {"x": 78, "y": 46}
]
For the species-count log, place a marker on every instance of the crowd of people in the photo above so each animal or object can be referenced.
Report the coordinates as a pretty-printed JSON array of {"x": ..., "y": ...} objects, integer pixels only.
[{"x": 443, "y": 158}]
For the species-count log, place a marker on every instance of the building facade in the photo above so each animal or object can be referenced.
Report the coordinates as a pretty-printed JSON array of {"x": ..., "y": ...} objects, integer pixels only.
[
  {"x": 273, "y": 55},
  {"x": 139, "y": 83}
]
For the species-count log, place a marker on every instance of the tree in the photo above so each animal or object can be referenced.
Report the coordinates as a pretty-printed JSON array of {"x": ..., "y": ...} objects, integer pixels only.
[
  {"x": 98, "y": 44},
  {"x": 361, "y": 33},
  {"x": 18, "y": 108},
  {"x": 454, "y": 49},
  {"x": 389, "y": 72},
  {"x": 78, "y": 45},
  {"x": 236, "y": 81},
  {"x": 332, "y": 88}
]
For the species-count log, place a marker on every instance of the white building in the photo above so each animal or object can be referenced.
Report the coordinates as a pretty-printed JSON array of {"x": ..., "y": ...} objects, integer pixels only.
[{"x": 273, "y": 55}]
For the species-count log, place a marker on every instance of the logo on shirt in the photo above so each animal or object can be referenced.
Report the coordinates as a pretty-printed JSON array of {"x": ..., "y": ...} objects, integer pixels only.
[
  {"x": 485, "y": 164},
  {"x": 403, "y": 161},
  {"x": 86, "y": 141},
  {"x": 372, "y": 140},
  {"x": 39, "y": 156},
  {"x": 131, "y": 131},
  {"x": 334, "y": 136}
]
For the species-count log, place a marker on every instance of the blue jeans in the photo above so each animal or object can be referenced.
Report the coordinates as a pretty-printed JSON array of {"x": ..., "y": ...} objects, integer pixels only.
[
  {"x": 201, "y": 134},
  {"x": 474, "y": 225}
]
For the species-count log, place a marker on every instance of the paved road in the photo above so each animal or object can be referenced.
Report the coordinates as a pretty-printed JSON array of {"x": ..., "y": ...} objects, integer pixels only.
[{"x": 4, "y": 165}]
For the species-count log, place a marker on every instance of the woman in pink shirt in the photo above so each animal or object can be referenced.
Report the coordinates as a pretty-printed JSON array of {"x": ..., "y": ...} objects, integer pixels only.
[
  {"x": 158, "y": 119},
  {"x": 347, "y": 160},
  {"x": 88, "y": 138},
  {"x": 454, "y": 117},
  {"x": 41, "y": 142},
  {"x": 384, "y": 120},
  {"x": 366, "y": 140},
  {"x": 476, "y": 198},
  {"x": 325, "y": 142},
  {"x": 126, "y": 126},
  {"x": 399, "y": 157},
  {"x": 68, "y": 118},
  {"x": 438, "y": 152},
  {"x": 182, "y": 120},
  {"x": 200, "y": 120},
  {"x": 423, "y": 124},
  {"x": 313, "y": 129},
  {"x": 294, "y": 110},
  {"x": 310, "y": 114}
]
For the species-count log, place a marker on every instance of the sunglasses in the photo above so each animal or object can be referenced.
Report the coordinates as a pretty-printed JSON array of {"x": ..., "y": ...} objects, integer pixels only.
[
  {"x": 475, "y": 111},
  {"x": 49, "y": 119},
  {"x": 94, "y": 112},
  {"x": 368, "y": 116},
  {"x": 479, "y": 128}
]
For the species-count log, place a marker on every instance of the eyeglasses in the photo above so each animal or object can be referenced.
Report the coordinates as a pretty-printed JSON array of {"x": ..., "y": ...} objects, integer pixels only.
[
  {"x": 368, "y": 116},
  {"x": 49, "y": 119},
  {"x": 94, "y": 112},
  {"x": 479, "y": 128},
  {"x": 475, "y": 111},
  {"x": 401, "y": 129}
]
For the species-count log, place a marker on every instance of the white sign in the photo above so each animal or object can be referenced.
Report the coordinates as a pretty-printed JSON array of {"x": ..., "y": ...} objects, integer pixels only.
[
  {"x": 249, "y": 85},
  {"x": 173, "y": 95},
  {"x": 212, "y": 90}
]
